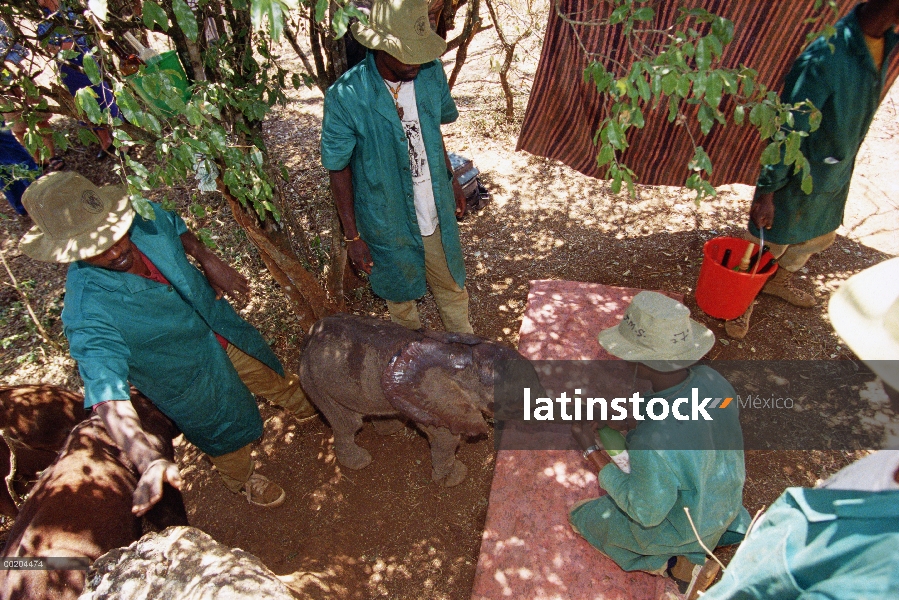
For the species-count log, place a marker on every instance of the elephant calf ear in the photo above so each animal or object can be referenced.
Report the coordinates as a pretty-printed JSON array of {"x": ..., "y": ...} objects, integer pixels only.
[{"x": 428, "y": 381}]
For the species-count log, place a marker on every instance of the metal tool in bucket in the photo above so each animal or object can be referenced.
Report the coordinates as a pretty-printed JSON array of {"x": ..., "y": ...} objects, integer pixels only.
[{"x": 722, "y": 292}]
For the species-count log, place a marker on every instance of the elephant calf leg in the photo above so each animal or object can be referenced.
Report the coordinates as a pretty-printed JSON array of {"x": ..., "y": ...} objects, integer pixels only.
[
  {"x": 345, "y": 423},
  {"x": 446, "y": 470}
]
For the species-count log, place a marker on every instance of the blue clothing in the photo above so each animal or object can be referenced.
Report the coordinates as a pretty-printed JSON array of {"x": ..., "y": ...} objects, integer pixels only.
[
  {"x": 70, "y": 70},
  {"x": 641, "y": 523},
  {"x": 123, "y": 327},
  {"x": 819, "y": 544},
  {"x": 361, "y": 129},
  {"x": 846, "y": 86},
  {"x": 15, "y": 163}
]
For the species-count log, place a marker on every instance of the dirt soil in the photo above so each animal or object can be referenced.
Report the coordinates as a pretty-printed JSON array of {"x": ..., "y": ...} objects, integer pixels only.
[{"x": 388, "y": 531}]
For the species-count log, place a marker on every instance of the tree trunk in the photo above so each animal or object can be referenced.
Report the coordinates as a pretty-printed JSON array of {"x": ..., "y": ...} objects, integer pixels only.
[{"x": 308, "y": 299}]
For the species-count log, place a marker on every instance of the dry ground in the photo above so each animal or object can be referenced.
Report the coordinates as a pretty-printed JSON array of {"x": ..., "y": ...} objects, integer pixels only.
[{"x": 387, "y": 530}]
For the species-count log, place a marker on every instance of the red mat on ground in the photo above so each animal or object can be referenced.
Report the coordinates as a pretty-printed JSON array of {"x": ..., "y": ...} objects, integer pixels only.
[{"x": 528, "y": 550}]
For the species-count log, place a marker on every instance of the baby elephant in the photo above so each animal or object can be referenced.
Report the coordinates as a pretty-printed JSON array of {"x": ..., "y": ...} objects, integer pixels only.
[{"x": 353, "y": 367}]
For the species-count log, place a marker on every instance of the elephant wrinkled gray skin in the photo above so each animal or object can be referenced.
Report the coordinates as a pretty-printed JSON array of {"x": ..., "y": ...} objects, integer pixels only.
[{"x": 353, "y": 367}]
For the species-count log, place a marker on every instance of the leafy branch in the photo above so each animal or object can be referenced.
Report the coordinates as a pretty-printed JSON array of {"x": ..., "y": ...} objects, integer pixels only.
[{"x": 682, "y": 68}]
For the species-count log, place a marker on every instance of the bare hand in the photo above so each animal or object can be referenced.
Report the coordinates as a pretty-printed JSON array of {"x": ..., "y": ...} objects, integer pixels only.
[
  {"x": 360, "y": 257},
  {"x": 762, "y": 211},
  {"x": 224, "y": 279},
  {"x": 149, "y": 488},
  {"x": 461, "y": 204}
]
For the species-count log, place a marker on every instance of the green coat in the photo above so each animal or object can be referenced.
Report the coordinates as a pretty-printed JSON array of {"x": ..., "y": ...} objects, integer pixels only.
[
  {"x": 361, "y": 129},
  {"x": 126, "y": 328},
  {"x": 846, "y": 87},
  {"x": 816, "y": 545},
  {"x": 641, "y": 523}
]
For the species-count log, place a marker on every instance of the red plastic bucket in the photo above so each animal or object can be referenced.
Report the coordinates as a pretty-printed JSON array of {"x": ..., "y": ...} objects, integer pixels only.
[{"x": 722, "y": 292}]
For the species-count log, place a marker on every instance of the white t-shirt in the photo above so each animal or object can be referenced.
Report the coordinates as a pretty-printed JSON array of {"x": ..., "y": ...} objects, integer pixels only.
[{"x": 423, "y": 192}]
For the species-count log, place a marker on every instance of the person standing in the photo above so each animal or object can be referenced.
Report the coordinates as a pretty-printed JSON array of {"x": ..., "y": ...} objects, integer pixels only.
[
  {"x": 390, "y": 174},
  {"x": 843, "y": 77},
  {"x": 138, "y": 312}
]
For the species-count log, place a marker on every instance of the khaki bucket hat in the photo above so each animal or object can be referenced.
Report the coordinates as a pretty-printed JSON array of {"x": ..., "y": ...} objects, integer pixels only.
[
  {"x": 401, "y": 29},
  {"x": 73, "y": 218},
  {"x": 658, "y": 332},
  {"x": 865, "y": 313}
]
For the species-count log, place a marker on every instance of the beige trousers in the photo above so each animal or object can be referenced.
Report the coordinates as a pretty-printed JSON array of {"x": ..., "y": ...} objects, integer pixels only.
[
  {"x": 793, "y": 257},
  {"x": 236, "y": 467},
  {"x": 452, "y": 301}
]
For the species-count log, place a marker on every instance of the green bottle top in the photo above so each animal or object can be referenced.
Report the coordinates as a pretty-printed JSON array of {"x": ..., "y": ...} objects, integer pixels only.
[{"x": 612, "y": 441}]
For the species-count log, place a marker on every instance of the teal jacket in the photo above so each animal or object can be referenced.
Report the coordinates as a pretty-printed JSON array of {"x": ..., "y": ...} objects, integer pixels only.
[
  {"x": 126, "y": 328},
  {"x": 361, "y": 129},
  {"x": 641, "y": 523},
  {"x": 845, "y": 86},
  {"x": 816, "y": 545}
]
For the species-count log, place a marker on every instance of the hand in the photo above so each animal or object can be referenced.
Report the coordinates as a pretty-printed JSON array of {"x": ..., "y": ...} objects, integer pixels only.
[
  {"x": 461, "y": 203},
  {"x": 225, "y": 279},
  {"x": 149, "y": 488},
  {"x": 360, "y": 258},
  {"x": 762, "y": 211},
  {"x": 584, "y": 433}
]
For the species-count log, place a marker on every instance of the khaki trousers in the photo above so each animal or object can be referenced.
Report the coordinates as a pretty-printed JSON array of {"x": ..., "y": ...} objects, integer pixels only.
[
  {"x": 793, "y": 257},
  {"x": 236, "y": 467},
  {"x": 452, "y": 301}
]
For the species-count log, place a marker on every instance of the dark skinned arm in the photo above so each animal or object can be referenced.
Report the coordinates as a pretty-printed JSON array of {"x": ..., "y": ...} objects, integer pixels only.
[
  {"x": 461, "y": 205},
  {"x": 155, "y": 470},
  {"x": 762, "y": 210},
  {"x": 342, "y": 191},
  {"x": 223, "y": 278}
]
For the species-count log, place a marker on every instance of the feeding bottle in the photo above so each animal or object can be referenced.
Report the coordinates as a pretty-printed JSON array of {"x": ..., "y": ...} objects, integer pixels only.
[{"x": 616, "y": 448}]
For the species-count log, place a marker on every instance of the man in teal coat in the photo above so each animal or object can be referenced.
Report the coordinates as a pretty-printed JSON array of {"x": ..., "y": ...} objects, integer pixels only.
[
  {"x": 843, "y": 77},
  {"x": 390, "y": 175},
  {"x": 675, "y": 464},
  {"x": 840, "y": 539},
  {"x": 137, "y": 311}
]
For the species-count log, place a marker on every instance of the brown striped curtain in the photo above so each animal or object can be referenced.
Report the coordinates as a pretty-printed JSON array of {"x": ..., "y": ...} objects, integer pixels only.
[{"x": 564, "y": 111}]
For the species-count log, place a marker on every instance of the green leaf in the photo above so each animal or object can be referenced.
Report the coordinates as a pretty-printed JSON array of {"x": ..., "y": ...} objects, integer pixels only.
[
  {"x": 86, "y": 101},
  {"x": 642, "y": 87},
  {"x": 814, "y": 119},
  {"x": 128, "y": 104},
  {"x": 321, "y": 7},
  {"x": 187, "y": 21},
  {"x": 713, "y": 89},
  {"x": 714, "y": 45},
  {"x": 683, "y": 86},
  {"x": 703, "y": 55},
  {"x": 91, "y": 69},
  {"x": 605, "y": 156},
  {"x": 701, "y": 161},
  {"x": 739, "y": 114},
  {"x": 771, "y": 154},
  {"x": 669, "y": 83},
  {"x": 339, "y": 23},
  {"x": 153, "y": 14},
  {"x": 806, "y": 185},
  {"x": 791, "y": 155},
  {"x": 142, "y": 206},
  {"x": 644, "y": 14},
  {"x": 706, "y": 117},
  {"x": 619, "y": 14}
]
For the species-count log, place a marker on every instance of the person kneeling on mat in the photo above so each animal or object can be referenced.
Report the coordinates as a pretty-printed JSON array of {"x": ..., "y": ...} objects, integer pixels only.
[{"x": 642, "y": 523}]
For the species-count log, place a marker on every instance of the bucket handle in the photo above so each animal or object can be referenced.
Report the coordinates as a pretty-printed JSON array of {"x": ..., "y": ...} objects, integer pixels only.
[{"x": 761, "y": 250}]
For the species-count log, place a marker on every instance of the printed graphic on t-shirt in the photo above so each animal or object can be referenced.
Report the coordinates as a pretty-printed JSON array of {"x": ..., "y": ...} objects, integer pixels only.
[{"x": 418, "y": 161}]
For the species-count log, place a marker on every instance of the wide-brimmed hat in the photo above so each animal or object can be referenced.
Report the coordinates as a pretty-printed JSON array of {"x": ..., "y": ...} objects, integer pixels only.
[
  {"x": 865, "y": 313},
  {"x": 73, "y": 218},
  {"x": 658, "y": 332},
  {"x": 401, "y": 29}
]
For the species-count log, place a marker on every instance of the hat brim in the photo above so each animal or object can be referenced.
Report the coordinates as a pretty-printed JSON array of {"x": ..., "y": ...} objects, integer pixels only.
[
  {"x": 620, "y": 347},
  {"x": 39, "y": 246},
  {"x": 857, "y": 311},
  {"x": 417, "y": 52}
]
